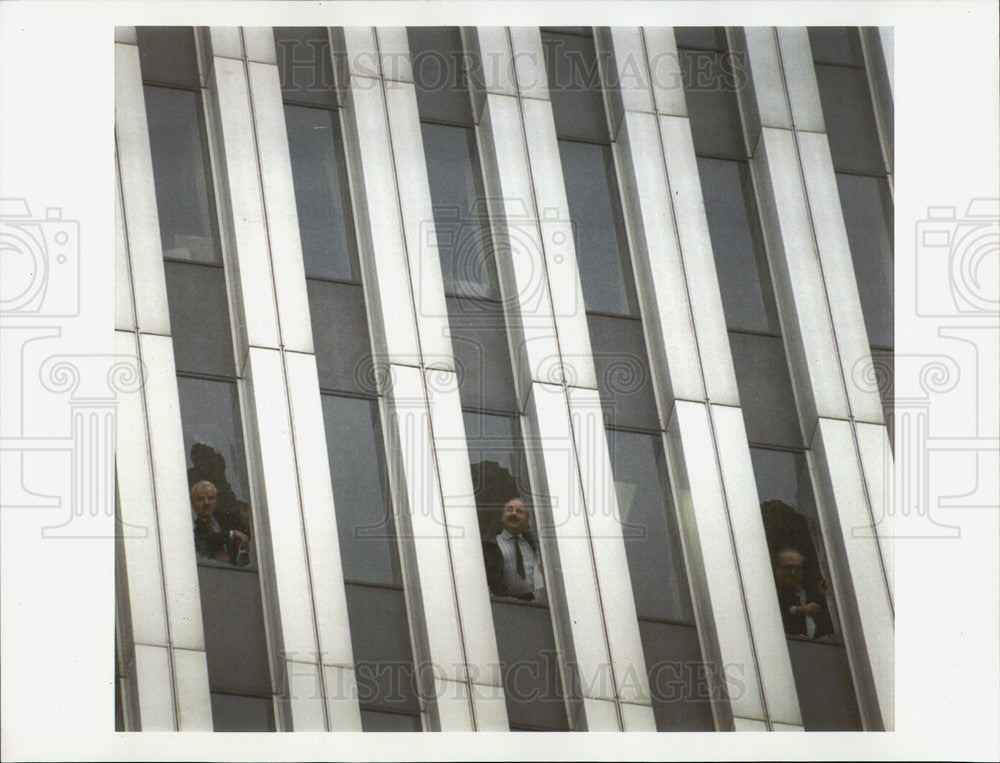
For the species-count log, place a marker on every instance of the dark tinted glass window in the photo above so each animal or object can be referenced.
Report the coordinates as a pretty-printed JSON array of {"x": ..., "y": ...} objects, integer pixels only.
[
  {"x": 372, "y": 720},
  {"x": 167, "y": 55},
  {"x": 652, "y": 543},
  {"x": 598, "y": 228},
  {"x": 867, "y": 209},
  {"x": 461, "y": 222},
  {"x": 623, "y": 375},
  {"x": 836, "y": 45},
  {"x": 575, "y": 87},
  {"x": 304, "y": 66},
  {"x": 340, "y": 336},
  {"x": 364, "y": 519},
  {"x": 710, "y": 82},
  {"x": 232, "y": 712},
  {"x": 322, "y": 200},
  {"x": 740, "y": 261},
  {"x": 438, "y": 74},
  {"x": 185, "y": 201},
  {"x": 765, "y": 389},
  {"x": 479, "y": 342},
  {"x": 199, "y": 318},
  {"x": 701, "y": 37},
  {"x": 850, "y": 119}
]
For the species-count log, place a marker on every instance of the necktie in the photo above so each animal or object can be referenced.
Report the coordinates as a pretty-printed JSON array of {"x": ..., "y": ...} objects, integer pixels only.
[{"x": 520, "y": 558}]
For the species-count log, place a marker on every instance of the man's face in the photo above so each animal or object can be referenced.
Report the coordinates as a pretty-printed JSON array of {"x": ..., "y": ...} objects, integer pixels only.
[
  {"x": 514, "y": 518},
  {"x": 203, "y": 501},
  {"x": 789, "y": 570}
]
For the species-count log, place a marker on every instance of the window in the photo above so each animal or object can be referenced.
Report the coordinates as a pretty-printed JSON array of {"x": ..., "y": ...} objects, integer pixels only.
[{"x": 376, "y": 602}]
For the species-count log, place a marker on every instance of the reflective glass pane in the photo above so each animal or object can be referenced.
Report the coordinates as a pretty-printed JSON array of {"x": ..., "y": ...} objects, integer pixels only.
[
  {"x": 575, "y": 87},
  {"x": 867, "y": 215},
  {"x": 322, "y": 199},
  {"x": 850, "y": 119},
  {"x": 185, "y": 201},
  {"x": 836, "y": 45},
  {"x": 623, "y": 376},
  {"x": 701, "y": 37},
  {"x": 199, "y": 319},
  {"x": 823, "y": 683},
  {"x": 304, "y": 66},
  {"x": 438, "y": 74},
  {"x": 652, "y": 542},
  {"x": 372, "y": 720},
  {"x": 167, "y": 55},
  {"x": 740, "y": 260},
  {"x": 340, "y": 336},
  {"x": 678, "y": 677},
  {"x": 499, "y": 468},
  {"x": 357, "y": 467},
  {"x": 710, "y": 81},
  {"x": 479, "y": 341},
  {"x": 530, "y": 667},
  {"x": 461, "y": 222},
  {"x": 231, "y": 712},
  {"x": 380, "y": 639},
  {"x": 598, "y": 230},
  {"x": 765, "y": 389}
]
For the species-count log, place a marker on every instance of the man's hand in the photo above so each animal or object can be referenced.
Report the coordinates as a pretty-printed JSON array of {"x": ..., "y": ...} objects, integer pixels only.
[
  {"x": 812, "y": 609},
  {"x": 243, "y": 538}
]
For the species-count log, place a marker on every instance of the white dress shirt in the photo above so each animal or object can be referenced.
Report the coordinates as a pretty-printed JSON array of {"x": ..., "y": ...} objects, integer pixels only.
[{"x": 515, "y": 584}]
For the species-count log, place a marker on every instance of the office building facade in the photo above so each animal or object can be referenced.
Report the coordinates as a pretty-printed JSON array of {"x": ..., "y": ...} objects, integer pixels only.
[{"x": 381, "y": 281}]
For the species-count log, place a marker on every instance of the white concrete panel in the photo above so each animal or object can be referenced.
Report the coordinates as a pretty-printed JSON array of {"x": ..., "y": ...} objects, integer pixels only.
[
  {"x": 394, "y": 53},
  {"x": 279, "y": 201},
  {"x": 279, "y": 479},
  {"x": 155, "y": 689},
  {"x": 425, "y": 521},
  {"x": 172, "y": 498},
  {"x": 769, "y": 641},
  {"x": 318, "y": 515},
  {"x": 135, "y": 491},
  {"x": 630, "y": 69},
  {"x": 838, "y": 275},
  {"x": 139, "y": 193},
  {"x": 708, "y": 541},
  {"x": 342, "y": 698},
  {"x": 878, "y": 465},
  {"x": 844, "y": 514},
  {"x": 637, "y": 717},
  {"x": 463, "y": 524},
  {"x": 246, "y": 210},
  {"x": 608, "y": 547},
  {"x": 490, "y": 708},
  {"x": 529, "y": 61},
  {"x": 194, "y": 703},
  {"x": 566, "y": 522},
  {"x": 226, "y": 42},
  {"x": 258, "y": 42},
  {"x": 361, "y": 51},
  {"x": 664, "y": 71},
  {"x": 305, "y": 696},
  {"x": 557, "y": 240},
  {"x": 799, "y": 286},
  {"x": 601, "y": 715},
  {"x": 125, "y": 34},
  {"x": 418, "y": 227},
  {"x": 453, "y": 705},
  {"x": 373, "y": 176},
  {"x": 800, "y": 78},
  {"x": 699, "y": 262},
  {"x": 497, "y": 62},
  {"x": 660, "y": 281},
  {"x": 124, "y": 304},
  {"x": 765, "y": 71}
]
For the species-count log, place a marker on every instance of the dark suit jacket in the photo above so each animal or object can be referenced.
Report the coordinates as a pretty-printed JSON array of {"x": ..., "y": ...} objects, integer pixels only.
[
  {"x": 207, "y": 541},
  {"x": 796, "y": 624},
  {"x": 493, "y": 558}
]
